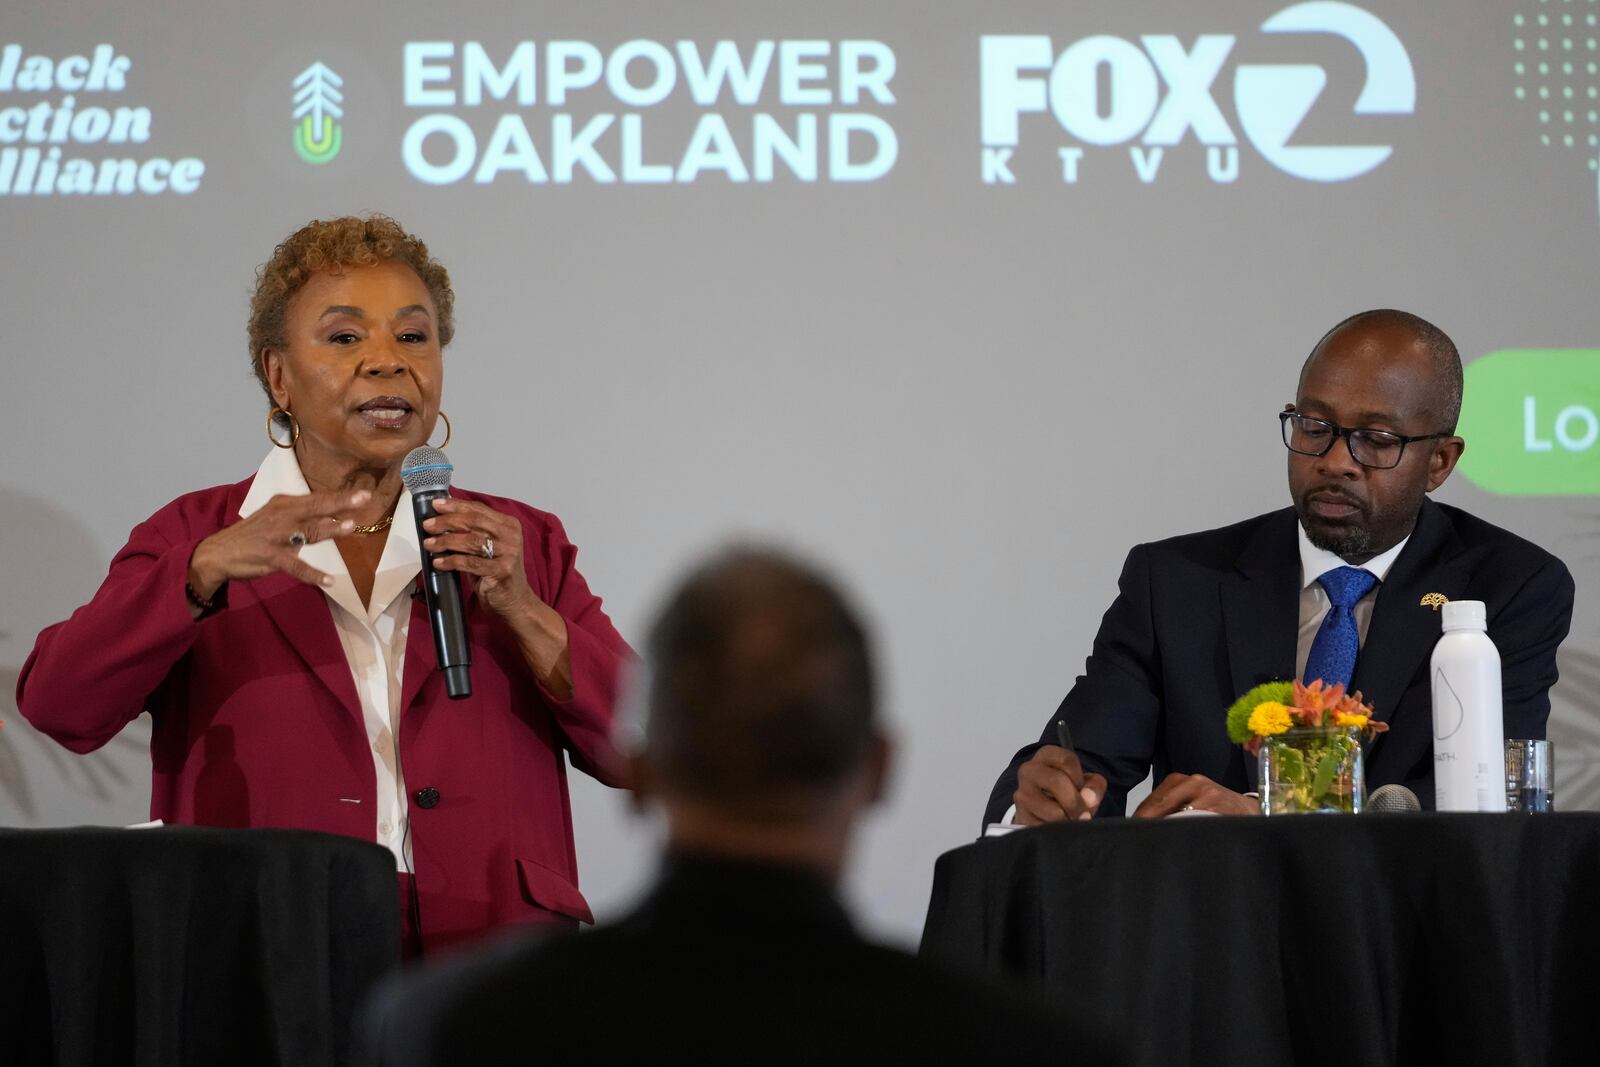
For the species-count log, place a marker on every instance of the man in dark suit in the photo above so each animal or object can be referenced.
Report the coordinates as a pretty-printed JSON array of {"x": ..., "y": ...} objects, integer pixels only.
[
  {"x": 1330, "y": 588},
  {"x": 760, "y": 740}
]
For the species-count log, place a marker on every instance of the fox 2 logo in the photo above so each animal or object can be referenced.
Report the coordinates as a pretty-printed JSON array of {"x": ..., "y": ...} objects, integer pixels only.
[{"x": 1271, "y": 100}]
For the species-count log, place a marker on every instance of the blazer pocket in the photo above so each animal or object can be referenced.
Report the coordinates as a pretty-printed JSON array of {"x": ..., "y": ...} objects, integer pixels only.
[{"x": 552, "y": 891}]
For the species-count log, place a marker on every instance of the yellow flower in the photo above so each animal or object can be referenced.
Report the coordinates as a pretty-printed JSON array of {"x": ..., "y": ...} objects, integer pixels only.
[
  {"x": 1269, "y": 718},
  {"x": 1345, "y": 718}
]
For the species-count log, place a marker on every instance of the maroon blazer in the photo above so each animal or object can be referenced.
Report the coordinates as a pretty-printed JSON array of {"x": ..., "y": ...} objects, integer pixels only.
[{"x": 257, "y": 723}]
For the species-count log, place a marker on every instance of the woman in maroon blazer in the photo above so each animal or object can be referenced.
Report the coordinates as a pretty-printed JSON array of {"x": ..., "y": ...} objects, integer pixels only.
[{"x": 271, "y": 630}]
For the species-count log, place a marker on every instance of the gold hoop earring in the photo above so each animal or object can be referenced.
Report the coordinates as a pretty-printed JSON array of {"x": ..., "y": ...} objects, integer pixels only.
[
  {"x": 294, "y": 427},
  {"x": 446, "y": 444}
]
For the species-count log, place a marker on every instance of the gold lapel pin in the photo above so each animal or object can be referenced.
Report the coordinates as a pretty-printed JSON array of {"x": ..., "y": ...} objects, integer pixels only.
[{"x": 1434, "y": 600}]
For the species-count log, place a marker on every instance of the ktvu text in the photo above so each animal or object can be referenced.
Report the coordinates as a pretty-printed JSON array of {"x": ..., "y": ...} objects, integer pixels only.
[
  {"x": 1107, "y": 92},
  {"x": 806, "y": 110}
]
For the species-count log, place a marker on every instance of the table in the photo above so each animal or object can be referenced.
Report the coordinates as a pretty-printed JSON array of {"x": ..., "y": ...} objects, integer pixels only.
[
  {"x": 1302, "y": 939},
  {"x": 183, "y": 945}
]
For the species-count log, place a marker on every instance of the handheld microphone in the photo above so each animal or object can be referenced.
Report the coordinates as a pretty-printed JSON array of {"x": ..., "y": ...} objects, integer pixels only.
[{"x": 426, "y": 473}]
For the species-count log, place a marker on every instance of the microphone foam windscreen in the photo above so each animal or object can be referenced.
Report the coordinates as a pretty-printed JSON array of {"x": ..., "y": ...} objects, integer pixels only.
[{"x": 426, "y": 470}]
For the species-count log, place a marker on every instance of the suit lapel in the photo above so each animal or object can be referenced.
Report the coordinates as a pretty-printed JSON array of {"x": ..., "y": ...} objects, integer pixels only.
[
  {"x": 1261, "y": 611},
  {"x": 300, "y": 612},
  {"x": 1261, "y": 606},
  {"x": 1403, "y": 631},
  {"x": 422, "y": 661}
]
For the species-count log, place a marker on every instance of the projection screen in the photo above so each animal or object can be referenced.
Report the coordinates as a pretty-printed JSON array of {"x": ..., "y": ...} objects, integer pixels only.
[{"x": 963, "y": 300}]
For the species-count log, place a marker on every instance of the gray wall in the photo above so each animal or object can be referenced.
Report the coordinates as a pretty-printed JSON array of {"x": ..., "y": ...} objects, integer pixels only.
[{"x": 971, "y": 398}]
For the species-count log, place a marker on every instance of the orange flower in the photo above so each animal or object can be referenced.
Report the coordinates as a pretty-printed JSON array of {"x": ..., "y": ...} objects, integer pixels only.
[
  {"x": 1313, "y": 701},
  {"x": 1319, "y": 700},
  {"x": 1352, "y": 704}
]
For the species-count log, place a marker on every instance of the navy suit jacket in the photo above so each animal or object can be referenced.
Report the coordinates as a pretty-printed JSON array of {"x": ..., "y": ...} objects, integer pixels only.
[{"x": 1201, "y": 618}]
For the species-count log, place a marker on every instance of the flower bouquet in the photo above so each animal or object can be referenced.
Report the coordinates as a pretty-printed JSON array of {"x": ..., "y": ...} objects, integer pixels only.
[{"x": 1308, "y": 740}]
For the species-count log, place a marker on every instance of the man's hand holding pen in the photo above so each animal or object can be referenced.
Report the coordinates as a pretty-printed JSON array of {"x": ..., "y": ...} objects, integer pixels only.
[{"x": 1052, "y": 786}]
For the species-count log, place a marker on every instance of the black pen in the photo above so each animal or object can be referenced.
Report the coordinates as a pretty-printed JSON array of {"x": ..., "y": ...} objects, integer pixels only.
[{"x": 1064, "y": 735}]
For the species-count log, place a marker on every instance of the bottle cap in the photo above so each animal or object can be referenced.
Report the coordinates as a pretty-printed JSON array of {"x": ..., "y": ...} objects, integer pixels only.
[{"x": 1464, "y": 615}]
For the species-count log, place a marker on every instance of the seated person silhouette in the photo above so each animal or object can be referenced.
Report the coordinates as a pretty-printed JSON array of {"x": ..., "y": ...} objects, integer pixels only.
[{"x": 759, "y": 737}]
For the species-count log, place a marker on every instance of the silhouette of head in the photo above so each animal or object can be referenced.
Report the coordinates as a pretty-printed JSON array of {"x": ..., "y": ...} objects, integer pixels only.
[{"x": 761, "y": 698}]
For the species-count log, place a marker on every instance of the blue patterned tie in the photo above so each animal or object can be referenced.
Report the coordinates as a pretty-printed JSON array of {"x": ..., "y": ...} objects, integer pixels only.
[{"x": 1338, "y": 640}]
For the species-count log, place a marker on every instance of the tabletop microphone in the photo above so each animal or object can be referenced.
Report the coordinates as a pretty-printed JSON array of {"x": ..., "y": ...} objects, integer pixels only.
[
  {"x": 1392, "y": 799},
  {"x": 426, "y": 474}
]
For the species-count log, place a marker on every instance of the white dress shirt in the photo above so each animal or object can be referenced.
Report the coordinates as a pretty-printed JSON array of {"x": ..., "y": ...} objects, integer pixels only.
[
  {"x": 1314, "y": 602},
  {"x": 373, "y": 635}
]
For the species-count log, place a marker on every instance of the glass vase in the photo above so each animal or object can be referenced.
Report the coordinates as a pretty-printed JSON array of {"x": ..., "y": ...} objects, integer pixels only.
[{"x": 1312, "y": 769}]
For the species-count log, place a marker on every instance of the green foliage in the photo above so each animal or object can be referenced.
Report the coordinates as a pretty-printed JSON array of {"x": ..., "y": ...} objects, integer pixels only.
[
  {"x": 1326, "y": 769},
  {"x": 1310, "y": 770},
  {"x": 1239, "y": 711}
]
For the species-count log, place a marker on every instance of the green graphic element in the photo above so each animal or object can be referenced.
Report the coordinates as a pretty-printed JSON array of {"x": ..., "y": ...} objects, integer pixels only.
[
  {"x": 318, "y": 149},
  {"x": 1531, "y": 419},
  {"x": 318, "y": 135}
]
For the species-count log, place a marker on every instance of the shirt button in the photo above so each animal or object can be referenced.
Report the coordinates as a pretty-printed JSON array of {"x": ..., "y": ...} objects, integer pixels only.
[
  {"x": 427, "y": 797},
  {"x": 379, "y": 745},
  {"x": 384, "y": 828}
]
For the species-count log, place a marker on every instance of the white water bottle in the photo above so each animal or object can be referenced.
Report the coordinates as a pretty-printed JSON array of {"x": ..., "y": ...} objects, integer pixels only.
[{"x": 1469, "y": 745}]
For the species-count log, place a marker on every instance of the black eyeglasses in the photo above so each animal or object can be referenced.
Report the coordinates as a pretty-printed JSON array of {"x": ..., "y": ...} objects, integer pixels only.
[{"x": 1378, "y": 449}]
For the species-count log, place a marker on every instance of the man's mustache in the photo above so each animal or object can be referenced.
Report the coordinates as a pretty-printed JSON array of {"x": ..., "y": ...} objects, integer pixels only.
[{"x": 1333, "y": 495}]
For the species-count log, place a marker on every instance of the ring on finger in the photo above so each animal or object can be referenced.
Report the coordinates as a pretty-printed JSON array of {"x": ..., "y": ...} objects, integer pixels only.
[
  {"x": 297, "y": 539},
  {"x": 487, "y": 551}
]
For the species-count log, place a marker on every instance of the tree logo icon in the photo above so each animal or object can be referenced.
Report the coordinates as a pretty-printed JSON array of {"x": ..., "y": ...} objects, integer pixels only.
[{"x": 318, "y": 135}]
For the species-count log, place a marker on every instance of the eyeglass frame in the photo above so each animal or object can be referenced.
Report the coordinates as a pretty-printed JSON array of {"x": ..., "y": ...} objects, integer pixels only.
[{"x": 1346, "y": 432}]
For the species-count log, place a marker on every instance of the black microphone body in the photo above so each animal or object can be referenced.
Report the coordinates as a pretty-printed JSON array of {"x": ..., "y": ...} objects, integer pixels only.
[{"x": 441, "y": 590}]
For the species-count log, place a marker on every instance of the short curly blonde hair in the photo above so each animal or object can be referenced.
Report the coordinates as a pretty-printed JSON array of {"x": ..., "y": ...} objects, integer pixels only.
[{"x": 330, "y": 245}]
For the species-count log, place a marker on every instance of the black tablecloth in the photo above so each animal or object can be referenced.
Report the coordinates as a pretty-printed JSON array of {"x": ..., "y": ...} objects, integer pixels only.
[
  {"x": 1305, "y": 939},
  {"x": 181, "y": 945}
]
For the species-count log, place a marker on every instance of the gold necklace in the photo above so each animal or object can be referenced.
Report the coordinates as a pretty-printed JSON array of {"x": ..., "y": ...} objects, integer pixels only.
[{"x": 377, "y": 527}]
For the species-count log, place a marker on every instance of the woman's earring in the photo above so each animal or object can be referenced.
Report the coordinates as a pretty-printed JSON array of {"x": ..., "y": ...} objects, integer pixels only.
[
  {"x": 446, "y": 443},
  {"x": 294, "y": 427}
]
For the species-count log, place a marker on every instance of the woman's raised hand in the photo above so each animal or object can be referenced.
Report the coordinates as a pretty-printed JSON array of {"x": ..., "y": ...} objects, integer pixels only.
[
  {"x": 268, "y": 542},
  {"x": 473, "y": 538},
  {"x": 486, "y": 544}
]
